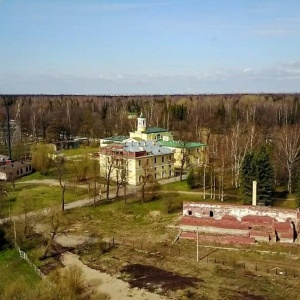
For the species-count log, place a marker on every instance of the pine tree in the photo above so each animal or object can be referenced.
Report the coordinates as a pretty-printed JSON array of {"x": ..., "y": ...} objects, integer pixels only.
[
  {"x": 248, "y": 175},
  {"x": 265, "y": 177}
]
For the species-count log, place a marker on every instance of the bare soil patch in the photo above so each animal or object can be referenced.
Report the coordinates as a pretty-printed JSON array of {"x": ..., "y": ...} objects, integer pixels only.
[
  {"x": 103, "y": 283},
  {"x": 152, "y": 278}
]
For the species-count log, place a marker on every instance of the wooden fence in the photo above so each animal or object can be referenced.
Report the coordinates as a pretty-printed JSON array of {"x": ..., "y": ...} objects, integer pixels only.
[{"x": 24, "y": 256}]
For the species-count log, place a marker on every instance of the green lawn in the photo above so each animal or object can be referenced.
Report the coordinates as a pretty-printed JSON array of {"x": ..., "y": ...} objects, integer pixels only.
[
  {"x": 176, "y": 186},
  {"x": 80, "y": 151},
  {"x": 12, "y": 267},
  {"x": 38, "y": 196}
]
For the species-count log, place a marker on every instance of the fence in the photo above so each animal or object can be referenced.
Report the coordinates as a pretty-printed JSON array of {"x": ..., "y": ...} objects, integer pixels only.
[
  {"x": 177, "y": 251},
  {"x": 24, "y": 256}
]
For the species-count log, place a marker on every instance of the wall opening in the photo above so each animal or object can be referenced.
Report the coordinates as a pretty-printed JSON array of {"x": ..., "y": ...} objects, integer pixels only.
[
  {"x": 190, "y": 212},
  {"x": 211, "y": 213}
]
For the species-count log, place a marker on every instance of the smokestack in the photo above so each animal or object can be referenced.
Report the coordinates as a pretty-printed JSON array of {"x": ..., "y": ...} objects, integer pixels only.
[{"x": 254, "y": 188}]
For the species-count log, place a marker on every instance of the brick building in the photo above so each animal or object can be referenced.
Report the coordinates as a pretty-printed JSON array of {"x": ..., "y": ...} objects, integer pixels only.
[{"x": 255, "y": 223}]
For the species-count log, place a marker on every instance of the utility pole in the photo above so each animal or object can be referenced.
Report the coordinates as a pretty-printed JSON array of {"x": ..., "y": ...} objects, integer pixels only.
[{"x": 197, "y": 243}]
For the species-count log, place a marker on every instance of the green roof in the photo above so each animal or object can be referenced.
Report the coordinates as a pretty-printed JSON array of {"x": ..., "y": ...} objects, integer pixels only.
[
  {"x": 155, "y": 130},
  {"x": 181, "y": 144}
]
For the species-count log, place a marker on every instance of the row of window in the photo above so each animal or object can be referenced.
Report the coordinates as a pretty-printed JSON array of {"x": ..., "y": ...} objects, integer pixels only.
[
  {"x": 158, "y": 175},
  {"x": 20, "y": 171},
  {"x": 156, "y": 160}
]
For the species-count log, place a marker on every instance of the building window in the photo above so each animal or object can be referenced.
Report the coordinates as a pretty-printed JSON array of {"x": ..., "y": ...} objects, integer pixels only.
[
  {"x": 155, "y": 175},
  {"x": 211, "y": 214},
  {"x": 140, "y": 162},
  {"x": 190, "y": 212},
  {"x": 155, "y": 160},
  {"x": 170, "y": 173},
  {"x": 162, "y": 159}
]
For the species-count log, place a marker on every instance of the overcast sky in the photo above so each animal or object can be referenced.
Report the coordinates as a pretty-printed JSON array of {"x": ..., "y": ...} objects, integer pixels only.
[{"x": 149, "y": 46}]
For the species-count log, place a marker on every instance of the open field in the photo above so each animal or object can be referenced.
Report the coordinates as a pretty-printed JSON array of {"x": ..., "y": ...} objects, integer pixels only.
[
  {"x": 13, "y": 268},
  {"x": 144, "y": 241},
  {"x": 80, "y": 151},
  {"x": 35, "y": 197},
  {"x": 144, "y": 254}
]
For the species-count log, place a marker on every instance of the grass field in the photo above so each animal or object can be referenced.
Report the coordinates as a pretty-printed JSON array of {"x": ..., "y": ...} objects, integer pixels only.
[
  {"x": 12, "y": 267},
  {"x": 145, "y": 233},
  {"x": 145, "y": 236},
  {"x": 80, "y": 151},
  {"x": 37, "y": 196}
]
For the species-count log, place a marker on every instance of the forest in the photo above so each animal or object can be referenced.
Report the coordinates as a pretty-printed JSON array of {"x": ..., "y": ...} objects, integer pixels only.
[{"x": 234, "y": 127}]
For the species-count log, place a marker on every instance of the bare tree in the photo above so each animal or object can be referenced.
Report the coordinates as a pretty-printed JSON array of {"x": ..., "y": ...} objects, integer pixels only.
[
  {"x": 108, "y": 167},
  {"x": 61, "y": 175},
  {"x": 288, "y": 150},
  {"x": 147, "y": 177},
  {"x": 122, "y": 176},
  {"x": 27, "y": 219},
  {"x": 239, "y": 145},
  {"x": 184, "y": 157},
  {"x": 54, "y": 224},
  {"x": 94, "y": 176}
]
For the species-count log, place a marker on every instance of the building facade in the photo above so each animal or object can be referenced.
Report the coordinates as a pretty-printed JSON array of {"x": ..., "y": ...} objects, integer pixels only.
[
  {"x": 132, "y": 161},
  {"x": 14, "y": 170}
]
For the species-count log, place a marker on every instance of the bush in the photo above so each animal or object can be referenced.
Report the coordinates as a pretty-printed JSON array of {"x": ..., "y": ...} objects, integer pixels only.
[
  {"x": 4, "y": 240},
  {"x": 172, "y": 204}
]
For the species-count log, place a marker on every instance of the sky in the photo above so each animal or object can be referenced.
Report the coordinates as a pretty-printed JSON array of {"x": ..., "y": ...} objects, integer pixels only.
[{"x": 149, "y": 46}]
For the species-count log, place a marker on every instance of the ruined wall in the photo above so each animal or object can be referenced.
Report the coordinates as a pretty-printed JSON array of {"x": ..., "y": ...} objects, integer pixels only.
[
  {"x": 216, "y": 230},
  {"x": 218, "y": 211}
]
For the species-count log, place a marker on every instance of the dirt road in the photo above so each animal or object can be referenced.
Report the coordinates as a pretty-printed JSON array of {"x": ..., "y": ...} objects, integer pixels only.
[{"x": 101, "y": 282}]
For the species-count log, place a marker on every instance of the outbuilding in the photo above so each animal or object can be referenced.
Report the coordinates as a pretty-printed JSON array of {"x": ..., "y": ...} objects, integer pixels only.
[{"x": 15, "y": 170}]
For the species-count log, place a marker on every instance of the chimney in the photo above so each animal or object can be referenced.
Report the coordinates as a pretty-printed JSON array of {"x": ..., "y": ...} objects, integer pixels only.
[{"x": 254, "y": 188}]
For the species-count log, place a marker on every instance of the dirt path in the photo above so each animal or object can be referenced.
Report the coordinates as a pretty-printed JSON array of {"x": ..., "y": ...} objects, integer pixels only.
[{"x": 105, "y": 283}]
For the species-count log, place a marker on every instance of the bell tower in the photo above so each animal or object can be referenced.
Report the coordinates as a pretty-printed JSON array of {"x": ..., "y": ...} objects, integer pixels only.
[{"x": 141, "y": 123}]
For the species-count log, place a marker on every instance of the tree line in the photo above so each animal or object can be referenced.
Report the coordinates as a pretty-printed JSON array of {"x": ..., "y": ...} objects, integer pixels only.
[{"x": 232, "y": 126}]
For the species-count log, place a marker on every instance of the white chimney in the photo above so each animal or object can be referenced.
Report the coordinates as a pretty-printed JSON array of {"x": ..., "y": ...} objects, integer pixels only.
[{"x": 254, "y": 188}]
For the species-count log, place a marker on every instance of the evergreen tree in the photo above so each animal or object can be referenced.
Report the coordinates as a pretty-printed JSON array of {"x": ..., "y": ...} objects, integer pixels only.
[
  {"x": 248, "y": 175},
  {"x": 191, "y": 179},
  {"x": 298, "y": 190},
  {"x": 265, "y": 177}
]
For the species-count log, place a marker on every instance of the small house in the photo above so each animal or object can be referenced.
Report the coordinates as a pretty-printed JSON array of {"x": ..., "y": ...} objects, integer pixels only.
[{"x": 15, "y": 170}]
